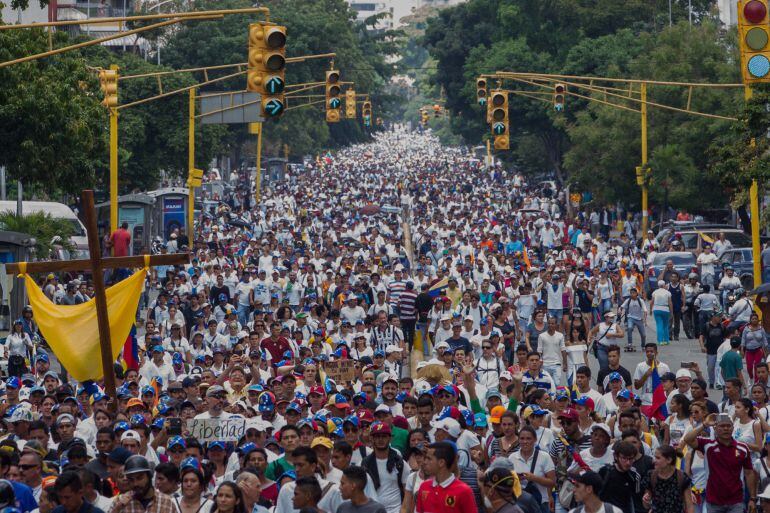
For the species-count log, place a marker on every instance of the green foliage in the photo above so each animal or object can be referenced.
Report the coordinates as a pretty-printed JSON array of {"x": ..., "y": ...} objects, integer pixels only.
[
  {"x": 313, "y": 27},
  {"x": 593, "y": 146},
  {"x": 46, "y": 230},
  {"x": 51, "y": 124}
]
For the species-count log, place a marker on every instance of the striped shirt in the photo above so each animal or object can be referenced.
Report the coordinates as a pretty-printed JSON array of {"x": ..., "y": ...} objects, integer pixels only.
[
  {"x": 395, "y": 289},
  {"x": 406, "y": 305}
]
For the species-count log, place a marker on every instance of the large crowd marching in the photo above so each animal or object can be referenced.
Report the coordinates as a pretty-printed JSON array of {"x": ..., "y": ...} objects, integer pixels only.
[{"x": 400, "y": 328}]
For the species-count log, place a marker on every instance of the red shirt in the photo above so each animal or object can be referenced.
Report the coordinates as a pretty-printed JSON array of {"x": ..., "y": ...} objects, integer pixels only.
[
  {"x": 451, "y": 496},
  {"x": 120, "y": 241},
  {"x": 724, "y": 464},
  {"x": 276, "y": 348}
]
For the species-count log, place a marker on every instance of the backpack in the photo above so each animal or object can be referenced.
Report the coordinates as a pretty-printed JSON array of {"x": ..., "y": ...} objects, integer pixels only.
[{"x": 531, "y": 487}]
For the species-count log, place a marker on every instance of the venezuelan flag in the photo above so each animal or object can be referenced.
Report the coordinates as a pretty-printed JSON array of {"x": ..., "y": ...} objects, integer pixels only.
[
  {"x": 574, "y": 393},
  {"x": 131, "y": 351},
  {"x": 658, "y": 407},
  {"x": 438, "y": 288}
]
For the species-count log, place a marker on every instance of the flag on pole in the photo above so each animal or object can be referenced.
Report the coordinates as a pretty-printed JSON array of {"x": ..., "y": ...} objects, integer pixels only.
[
  {"x": 574, "y": 393},
  {"x": 525, "y": 257},
  {"x": 658, "y": 407},
  {"x": 131, "y": 351},
  {"x": 438, "y": 288}
]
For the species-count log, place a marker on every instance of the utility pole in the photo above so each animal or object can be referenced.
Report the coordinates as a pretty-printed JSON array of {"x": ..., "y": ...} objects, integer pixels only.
[{"x": 2, "y": 183}]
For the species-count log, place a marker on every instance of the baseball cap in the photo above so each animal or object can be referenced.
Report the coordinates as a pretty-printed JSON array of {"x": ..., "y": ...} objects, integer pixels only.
[
  {"x": 380, "y": 428},
  {"x": 134, "y": 401},
  {"x": 585, "y": 401},
  {"x": 590, "y": 478},
  {"x": 177, "y": 441},
  {"x": 603, "y": 427},
  {"x": 496, "y": 414},
  {"x": 480, "y": 420},
  {"x": 451, "y": 426},
  {"x": 569, "y": 413},
  {"x": 321, "y": 441}
]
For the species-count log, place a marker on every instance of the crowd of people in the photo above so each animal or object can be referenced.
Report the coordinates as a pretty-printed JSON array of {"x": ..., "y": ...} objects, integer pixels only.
[{"x": 486, "y": 320}]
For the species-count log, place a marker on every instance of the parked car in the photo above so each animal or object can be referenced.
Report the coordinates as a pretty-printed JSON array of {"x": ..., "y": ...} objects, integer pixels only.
[
  {"x": 742, "y": 261},
  {"x": 694, "y": 237},
  {"x": 684, "y": 264}
]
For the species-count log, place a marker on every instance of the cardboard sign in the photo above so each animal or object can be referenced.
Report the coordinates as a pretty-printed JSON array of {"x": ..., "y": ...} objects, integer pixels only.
[
  {"x": 217, "y": 430},
  {"x": 341, "y": 370}
]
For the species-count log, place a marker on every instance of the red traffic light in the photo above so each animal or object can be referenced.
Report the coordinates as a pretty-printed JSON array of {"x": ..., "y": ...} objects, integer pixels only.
[
  {"x": 559, "y": 88},
  {"x": 754, "y": 11}
]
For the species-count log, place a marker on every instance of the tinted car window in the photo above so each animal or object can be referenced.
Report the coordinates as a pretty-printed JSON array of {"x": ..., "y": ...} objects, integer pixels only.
[
  {"x": 690, "y": 240},
  {"x": 678, "y": 258}
]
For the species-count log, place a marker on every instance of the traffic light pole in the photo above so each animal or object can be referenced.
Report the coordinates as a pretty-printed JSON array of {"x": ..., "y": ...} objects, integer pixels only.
[
  {"x": 756, "y": 249},
  {"x": 645, "y": 180},
  {"x": 256, "y": 128},
  {"x": 190, "y": 166},
  {"x": 113, "y": 165}
]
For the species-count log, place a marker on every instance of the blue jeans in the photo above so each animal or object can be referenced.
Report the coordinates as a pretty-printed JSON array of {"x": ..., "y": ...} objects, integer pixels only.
[
  {"x": 555, "y": 372},
  {"x": 602, "y": 357},
  {"x": 727, "y": 508},
  {"x": 556, "y": 313},
  {"x": 605, "y": 305},
  {"x": 243, "y": 314},
  {"x": 639, "y": 325},
  {"x": 661, "y": 325},
  {"x": 766, "y": 275}
]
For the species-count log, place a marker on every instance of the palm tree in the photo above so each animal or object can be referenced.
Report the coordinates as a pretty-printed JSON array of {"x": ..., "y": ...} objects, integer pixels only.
[{"x": 47, "y": 231}]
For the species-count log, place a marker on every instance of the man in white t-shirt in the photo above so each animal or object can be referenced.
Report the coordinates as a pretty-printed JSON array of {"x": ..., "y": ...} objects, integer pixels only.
[
  {"x": 643, "y": 373},
  {"x": 552, "y": 347},
  {"x": 706, "y": 261}
]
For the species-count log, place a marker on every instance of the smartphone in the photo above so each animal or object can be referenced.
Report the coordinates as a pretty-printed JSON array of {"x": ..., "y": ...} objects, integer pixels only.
[{"x": 174, "y": 426}]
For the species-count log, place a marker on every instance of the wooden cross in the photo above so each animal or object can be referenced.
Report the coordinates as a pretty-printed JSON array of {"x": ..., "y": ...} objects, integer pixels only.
[{"x": 96, "y": 264}]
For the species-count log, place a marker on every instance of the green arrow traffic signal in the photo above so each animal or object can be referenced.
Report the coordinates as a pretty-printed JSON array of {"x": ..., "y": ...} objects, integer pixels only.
[
  {"x": 334, "y": 103},
  {"x": 274, "y": 85},
  {"x": 499, "y": 128},
  {"x": 273, "y": 107}
]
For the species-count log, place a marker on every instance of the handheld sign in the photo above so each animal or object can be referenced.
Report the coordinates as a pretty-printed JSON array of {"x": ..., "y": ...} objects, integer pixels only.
[
  {"x": 341, "y": 370},
  {"x": 221, "y": 430}
]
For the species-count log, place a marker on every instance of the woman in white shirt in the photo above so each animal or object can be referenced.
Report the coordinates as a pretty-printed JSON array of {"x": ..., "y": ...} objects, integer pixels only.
[{"x": 661, "y": 306}]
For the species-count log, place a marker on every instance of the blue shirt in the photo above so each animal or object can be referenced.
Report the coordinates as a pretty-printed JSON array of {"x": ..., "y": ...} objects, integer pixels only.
[{"x": 25, "y": 501}]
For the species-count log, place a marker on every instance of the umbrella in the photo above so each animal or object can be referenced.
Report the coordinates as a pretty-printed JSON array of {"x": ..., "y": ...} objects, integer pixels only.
[
  {"x": 762, "y": 289},
  {"x": 370, "y": 209}
]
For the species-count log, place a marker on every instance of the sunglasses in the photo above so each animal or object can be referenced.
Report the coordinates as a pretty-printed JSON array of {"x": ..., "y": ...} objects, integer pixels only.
[
  {"x": 27, "y": 467},
  {"x": 486, "y": 347},
  {"x": 350, "y": 430}
]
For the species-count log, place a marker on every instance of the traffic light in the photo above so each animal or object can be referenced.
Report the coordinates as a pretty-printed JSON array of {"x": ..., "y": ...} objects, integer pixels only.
[
  {"x": 481, "y": 91},
  {"x": 366, "y": 113},
  {"x": 499, "y": 118},
  {"x": 350, "y": 104},
  {"x": 424, "y": 116},
  {"x": 266, "y": 72},
  {"x": 754, "y": 34},
  {"x": 333, "y": 102},
  {"x": 108, "y": 81},
  {"x": 196, "y": 178},
  {"x": 559, "y": 96}
]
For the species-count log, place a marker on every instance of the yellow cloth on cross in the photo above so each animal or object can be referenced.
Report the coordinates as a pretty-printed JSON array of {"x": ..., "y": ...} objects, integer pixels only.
[{"x": 72, "y": 331}]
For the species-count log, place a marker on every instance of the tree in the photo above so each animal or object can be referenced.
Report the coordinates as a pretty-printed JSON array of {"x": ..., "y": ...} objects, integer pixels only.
[
  {"x": 313, "y": 27},
  {"x": 51, "y": 123},
  {"x": 46, "y": 230}
]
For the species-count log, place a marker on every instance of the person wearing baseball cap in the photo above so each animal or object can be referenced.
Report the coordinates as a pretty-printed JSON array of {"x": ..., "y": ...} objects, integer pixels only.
[
  {"x": 588, "y": 485},
  {"x": 727, "y": 462}
]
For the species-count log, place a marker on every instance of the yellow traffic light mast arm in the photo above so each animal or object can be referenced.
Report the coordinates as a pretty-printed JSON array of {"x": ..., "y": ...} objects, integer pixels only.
[
  {"x": 182, "y": 90},
  {"x": 141, "y": 17},
  {"x": 98, "y": 41},
  {"x": 528, "y": 79},
  {"x": 306, "y": 104}
]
